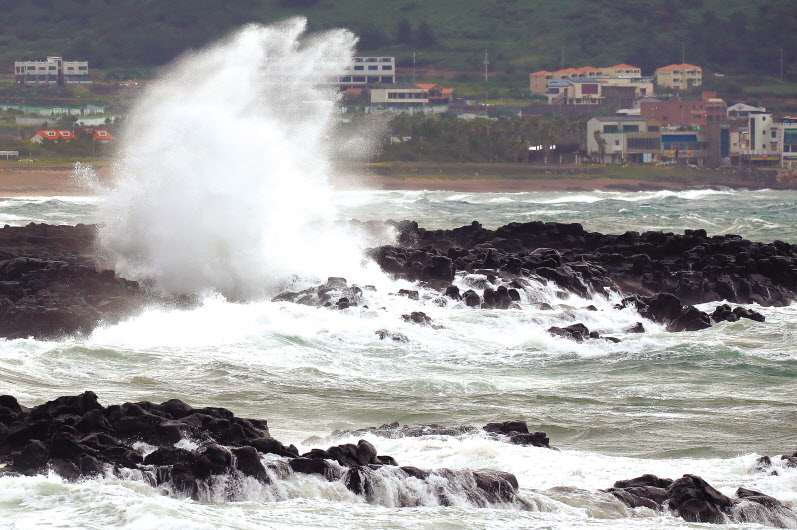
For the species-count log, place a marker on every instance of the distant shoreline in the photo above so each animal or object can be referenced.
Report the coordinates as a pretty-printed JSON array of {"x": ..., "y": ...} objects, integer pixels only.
[{"x": 466, "y": 177}]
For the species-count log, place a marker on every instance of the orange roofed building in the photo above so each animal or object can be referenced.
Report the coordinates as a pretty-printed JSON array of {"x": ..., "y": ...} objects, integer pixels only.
[
  {"x": 538, "y": 81},
  {"x": 679, "y": 76},
  {"x": 437, "y": 94},
  {"x": 52, "y": 135}
]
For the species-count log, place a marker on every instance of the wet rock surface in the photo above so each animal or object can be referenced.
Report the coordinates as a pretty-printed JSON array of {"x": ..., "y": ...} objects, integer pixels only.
[
  {"x": 51, "y": 284},
  {"x": 693, "y": 266},
  {"x": 695, "y": 500},
  {"x": 663, "y": 274},
  {"x": 77, "y": 437},
  {"x": 514, "y": 431}
]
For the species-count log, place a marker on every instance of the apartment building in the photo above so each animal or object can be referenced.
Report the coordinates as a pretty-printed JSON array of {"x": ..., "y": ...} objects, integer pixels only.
[
  {"x": 367, "y": 71},
  {"x": 51, "y": 71},
  {"x": 679, "y": 76},
  {"x": 770, "y": 142},
  {"x": 681, "y": 112},
  {"x": 619, "y": 74}
]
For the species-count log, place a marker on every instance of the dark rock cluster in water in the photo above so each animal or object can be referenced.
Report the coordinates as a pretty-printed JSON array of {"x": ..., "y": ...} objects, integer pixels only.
[
  {"x": 514, "y": 431},
  {"x": 695, "y": 500},
  {"x": 692, "y": 266},
  {"x": 77, "y": 437},
  {"x": 49, "y": 286}
]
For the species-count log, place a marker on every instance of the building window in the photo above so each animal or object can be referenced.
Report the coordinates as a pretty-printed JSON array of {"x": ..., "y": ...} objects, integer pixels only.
[
  {"x": 31, "y": 68},
  {"x": 387, "y": 67},
  {"x": 617, "y": 142},
  {"x": 82, "y": 67},
  {"x": 651, "y": 144},
  {"x": 358, "y": 79},
  {"x": 372, "y": 79},
  {"x": 774, "y": 134},
  {"x": 373, "y": 67},
  {"x": 630, "y": 128},
  {"x": 608, "y": 129},
  {"x": 359, "y": 67},
  {"x": 653, "y": 128}
]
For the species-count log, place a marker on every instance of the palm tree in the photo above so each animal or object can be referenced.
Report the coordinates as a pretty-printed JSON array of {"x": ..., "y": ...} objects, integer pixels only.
[{"x": 601, "y": 144}]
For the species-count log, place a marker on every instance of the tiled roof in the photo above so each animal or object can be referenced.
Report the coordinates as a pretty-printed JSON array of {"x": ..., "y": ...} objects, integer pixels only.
[
  {"x": 55, "y": 134},
  {"x": 102, "y": 134},
  {"x": 684, "y": 66},
  {"x": 623, "y": 67}
]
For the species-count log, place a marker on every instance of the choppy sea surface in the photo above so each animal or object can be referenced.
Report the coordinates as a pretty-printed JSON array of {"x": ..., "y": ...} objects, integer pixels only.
[{"x": 707, "y": 402}]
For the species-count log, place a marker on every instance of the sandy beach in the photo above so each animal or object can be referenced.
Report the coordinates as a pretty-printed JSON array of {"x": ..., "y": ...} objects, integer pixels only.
[{"x": 63, "y": 181}]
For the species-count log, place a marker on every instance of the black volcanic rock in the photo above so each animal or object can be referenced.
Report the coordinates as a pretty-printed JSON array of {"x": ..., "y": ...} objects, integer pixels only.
[
  {"x": 695, "y": 500},
  {"x": 229, "y": 449}
]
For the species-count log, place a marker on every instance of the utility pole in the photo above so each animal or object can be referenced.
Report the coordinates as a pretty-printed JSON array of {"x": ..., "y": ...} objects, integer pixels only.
[
  {"x": 563, "y": 58},
  {"x": 683, "y": 52},
  {"x": 486, "y": 62},
  {"x": 413, "y": 68},
  {"x": 781, "y": 63}
]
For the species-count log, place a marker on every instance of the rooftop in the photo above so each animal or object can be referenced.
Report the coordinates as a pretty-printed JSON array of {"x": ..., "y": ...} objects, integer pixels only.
[
  {"x": 684, "y": 66},
  {"x": 622, "y": 118}
]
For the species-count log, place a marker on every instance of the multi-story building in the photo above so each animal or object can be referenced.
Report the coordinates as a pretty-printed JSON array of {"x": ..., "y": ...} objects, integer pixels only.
[
  {"x": 681, "y": 112},
  {"x": 679, "y": 76},
  {"x": 770, "y": 142},
  {"x": 51, "y": 71},
  {"x": 367, "y": 71},
  {"x": 593, "y": 91},
  {"x": 627, "y": 138},
  {"x": 619, "y": 74}
]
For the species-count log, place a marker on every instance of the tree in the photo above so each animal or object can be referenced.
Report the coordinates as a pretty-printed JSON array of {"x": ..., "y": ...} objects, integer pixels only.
[
  {"x": 601, "y": 144},
  {"x": 403, "y": 31},
  {"x": 424, "y": 37}
]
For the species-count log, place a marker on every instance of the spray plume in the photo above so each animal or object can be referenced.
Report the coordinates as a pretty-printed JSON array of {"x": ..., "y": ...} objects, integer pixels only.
[{"x": 222, "y": 182}]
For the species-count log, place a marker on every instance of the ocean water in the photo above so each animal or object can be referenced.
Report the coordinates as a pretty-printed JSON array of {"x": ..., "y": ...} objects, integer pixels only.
[{"x": 707, "y": 402}]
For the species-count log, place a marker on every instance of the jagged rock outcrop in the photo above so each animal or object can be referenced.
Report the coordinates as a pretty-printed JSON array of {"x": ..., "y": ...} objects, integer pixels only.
[
  {"x": 695, "y": 500},
  {"x": 77, "y": 437}
]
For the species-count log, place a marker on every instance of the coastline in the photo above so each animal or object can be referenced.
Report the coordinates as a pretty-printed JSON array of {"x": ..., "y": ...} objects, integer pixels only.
[{"x": 512, "y": 178}]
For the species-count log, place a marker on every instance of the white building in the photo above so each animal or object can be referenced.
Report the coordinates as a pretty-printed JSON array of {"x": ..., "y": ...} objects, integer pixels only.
[
  {"x": 741, "y": 110},
  {"x": 634, "y": 139},
  {"x": 51, "y": 71},
  {"x": 365, "y": 71},
  {"x": 771, "y": 141},
  {"x": 399, "y": 94}
]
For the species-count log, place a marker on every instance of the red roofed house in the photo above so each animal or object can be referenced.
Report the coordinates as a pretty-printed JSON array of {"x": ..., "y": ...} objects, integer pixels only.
[
  {"x": 97, "y": 135},
  {"x": 437, "y": 94},
  {"x": 679, "y": 76},
  {"x": 52, "y": 135}
]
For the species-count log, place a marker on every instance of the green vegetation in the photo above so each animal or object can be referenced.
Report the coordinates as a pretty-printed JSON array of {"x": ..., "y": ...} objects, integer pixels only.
[
  {"x": 729, "y": 36},
  {"x": 446, "y": 138}
]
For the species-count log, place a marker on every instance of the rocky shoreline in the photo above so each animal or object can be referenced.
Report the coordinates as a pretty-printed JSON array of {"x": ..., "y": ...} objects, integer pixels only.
[
  {"x": 189, "y": 452},
  {"x": 51, "y": 285}
]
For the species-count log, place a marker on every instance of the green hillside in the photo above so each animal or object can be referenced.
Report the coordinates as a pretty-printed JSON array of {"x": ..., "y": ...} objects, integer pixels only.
[{"x": 729, "y": 36}]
